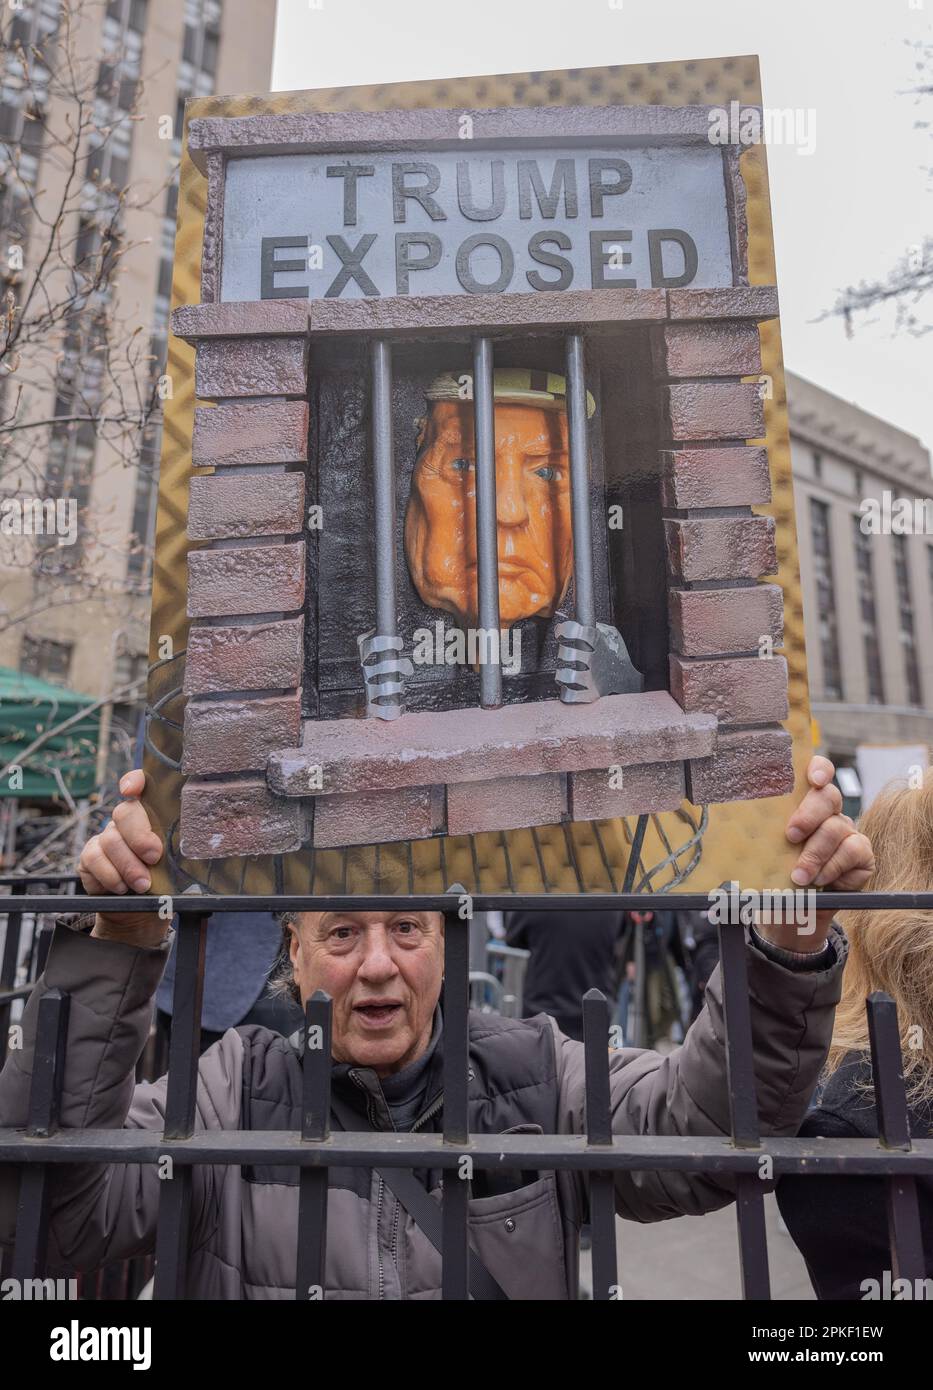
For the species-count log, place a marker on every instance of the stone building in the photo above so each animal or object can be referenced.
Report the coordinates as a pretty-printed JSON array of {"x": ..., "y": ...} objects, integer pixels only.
[
  {"x": 178, "y": 49},
  {"x": 868, "y": 591}
]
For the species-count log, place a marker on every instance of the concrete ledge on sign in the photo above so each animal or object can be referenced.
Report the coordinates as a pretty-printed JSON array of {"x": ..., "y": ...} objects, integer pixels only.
[
  {"x": 473, "y": 745},
  {"x": 731, "y": 302},
  {"x": 261, "y": 318},
  {"x": 419, "y": 315},
  {"x": 348, "y": 132}
]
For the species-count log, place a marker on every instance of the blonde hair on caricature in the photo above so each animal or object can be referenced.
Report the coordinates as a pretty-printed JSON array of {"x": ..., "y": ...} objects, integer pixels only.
[{"x": 893, "y": 951}]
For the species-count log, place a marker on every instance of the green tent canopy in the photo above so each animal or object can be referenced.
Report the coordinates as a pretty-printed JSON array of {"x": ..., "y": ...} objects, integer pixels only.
[{"x": 29, "y": 707}]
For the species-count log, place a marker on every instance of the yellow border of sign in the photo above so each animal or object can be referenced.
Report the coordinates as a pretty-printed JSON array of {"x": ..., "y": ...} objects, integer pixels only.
[{"x": 743, "y": 839}]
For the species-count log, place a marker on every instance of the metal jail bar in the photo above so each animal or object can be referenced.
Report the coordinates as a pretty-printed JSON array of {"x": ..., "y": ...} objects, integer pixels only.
[
  {"x": 384, "y": 489},
  {"x": 582, "y": 522},
  {"x": 487, "y": 531},
  {"x": 486, "y": 514},
  {"x": 598, "y": 1153},
  {"x": 384, "y": 668}
]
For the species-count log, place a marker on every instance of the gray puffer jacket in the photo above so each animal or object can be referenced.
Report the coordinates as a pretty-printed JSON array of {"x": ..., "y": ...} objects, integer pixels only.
[{"x": 525, "y": 1076}]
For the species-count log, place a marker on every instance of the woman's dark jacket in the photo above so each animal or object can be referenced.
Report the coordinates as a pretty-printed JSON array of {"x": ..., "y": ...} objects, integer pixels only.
[{"x": 840, "y": 1224}]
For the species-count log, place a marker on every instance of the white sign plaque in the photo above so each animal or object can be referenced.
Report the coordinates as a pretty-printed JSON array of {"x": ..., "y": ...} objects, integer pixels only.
[{"x": 486, "y": 221}]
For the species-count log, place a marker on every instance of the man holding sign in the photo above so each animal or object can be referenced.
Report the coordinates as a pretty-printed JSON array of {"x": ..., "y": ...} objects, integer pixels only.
[{"x": 383, "y": 970}]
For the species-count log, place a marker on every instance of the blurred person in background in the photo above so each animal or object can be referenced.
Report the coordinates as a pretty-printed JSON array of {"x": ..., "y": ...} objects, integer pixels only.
[
  {"x": 701, "y": 944},
  {"x": 840, "y": 1224},
  {"x": 653, "y": 1006},
  {"x": 571, "y": 952},
  {"x": 241, "y": 949}
]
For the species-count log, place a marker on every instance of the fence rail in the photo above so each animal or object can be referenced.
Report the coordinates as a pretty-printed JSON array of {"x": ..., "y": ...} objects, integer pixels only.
[{"x": 315, "y": 1149}]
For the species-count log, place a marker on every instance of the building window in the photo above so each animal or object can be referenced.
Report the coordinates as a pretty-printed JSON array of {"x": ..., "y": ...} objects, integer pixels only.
[
  {"x": 817, "y": 465},
  {"x": 68, "y": 476},
  {"x": 825, "y": 599},
  {"x": 142, "y": 538},
  {"x": 164, "y": 288},
  {"x": 27, "y": 167},
  {"x": 129, "y": 667},
  {"x": 145, "y": 502},
  {"x": 128, "y": 13},
  {"x": 45, "y": 659},
  {"x": 209, "y": 51},
  {"x": 179, "y": 126},
  {"x": 24, "y": 90},
  {"x": 109, "y": 151},
  {"x": 865, "y": 580},
  {"x": 168, "y": 237},
  {"x": 906, "y": 621},
  {"x": 122, "y": 45},
  {"x": 199, "y": 53}
]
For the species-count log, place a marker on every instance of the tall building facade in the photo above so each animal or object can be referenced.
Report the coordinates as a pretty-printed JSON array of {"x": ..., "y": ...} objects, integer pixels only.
[
  {"x": 149, "y": 57},
  {"x": 868, "y": 598},
  {"x": 863, "y": 491}
]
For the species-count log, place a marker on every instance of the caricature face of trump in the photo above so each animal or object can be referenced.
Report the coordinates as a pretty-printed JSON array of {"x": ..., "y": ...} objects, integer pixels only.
[{"x": 533, "y": 532}]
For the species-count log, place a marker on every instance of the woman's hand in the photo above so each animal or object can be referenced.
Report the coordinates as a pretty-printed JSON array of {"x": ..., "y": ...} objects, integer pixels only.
[{"x": 833, "y": 854}]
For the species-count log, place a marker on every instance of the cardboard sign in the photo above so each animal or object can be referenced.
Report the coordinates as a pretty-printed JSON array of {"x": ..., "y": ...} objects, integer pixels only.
[{"x": 476, "y": 528}]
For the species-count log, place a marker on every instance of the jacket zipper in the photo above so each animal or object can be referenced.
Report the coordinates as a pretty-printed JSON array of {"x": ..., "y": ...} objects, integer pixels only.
[
  {"x": 433, "y": 1108},
  {"x": 429, "y": 1114},
  {"x": 381, "y": 1292},
  {"x": 381, "y": 1188},
  {"x": 431, "y": 1111},
  {"x": 393, "y": 1250}
]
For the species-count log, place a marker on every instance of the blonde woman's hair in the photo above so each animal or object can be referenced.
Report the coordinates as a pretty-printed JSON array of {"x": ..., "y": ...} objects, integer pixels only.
[{"x": 893, "y": 951}]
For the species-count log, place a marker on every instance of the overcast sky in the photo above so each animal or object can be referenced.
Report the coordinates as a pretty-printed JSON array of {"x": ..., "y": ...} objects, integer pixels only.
[{"x": 844, "y": 213}]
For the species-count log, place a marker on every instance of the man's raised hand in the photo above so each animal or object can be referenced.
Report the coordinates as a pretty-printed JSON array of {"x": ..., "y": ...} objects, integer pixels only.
[{"x": 118, "y": 861}]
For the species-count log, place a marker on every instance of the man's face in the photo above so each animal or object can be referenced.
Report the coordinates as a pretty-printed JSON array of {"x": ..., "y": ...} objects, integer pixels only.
[
  {"x": 383, "y": 971},
  {"x": 534, "y": 535}
]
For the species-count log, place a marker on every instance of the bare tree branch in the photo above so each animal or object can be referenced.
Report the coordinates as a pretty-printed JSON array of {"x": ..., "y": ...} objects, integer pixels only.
[
  {"x": 911, "y": 279},
  {"x": 79, "y": 383}
]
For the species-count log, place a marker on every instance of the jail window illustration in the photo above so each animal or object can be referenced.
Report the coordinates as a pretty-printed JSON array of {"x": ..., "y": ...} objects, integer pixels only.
[{"x": 519, "y": 386}]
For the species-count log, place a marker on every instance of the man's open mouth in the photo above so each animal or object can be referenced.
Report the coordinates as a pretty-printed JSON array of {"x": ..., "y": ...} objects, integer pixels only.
[{"x": 377, "y": 1015}]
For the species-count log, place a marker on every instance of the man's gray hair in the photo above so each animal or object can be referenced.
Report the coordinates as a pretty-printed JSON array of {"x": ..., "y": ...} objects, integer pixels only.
[{"x": 282, "y": 983}]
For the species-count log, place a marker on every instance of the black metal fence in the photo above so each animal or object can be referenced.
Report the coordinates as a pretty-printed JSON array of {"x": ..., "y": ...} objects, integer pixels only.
[{"x": 316, "y": 1148}]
